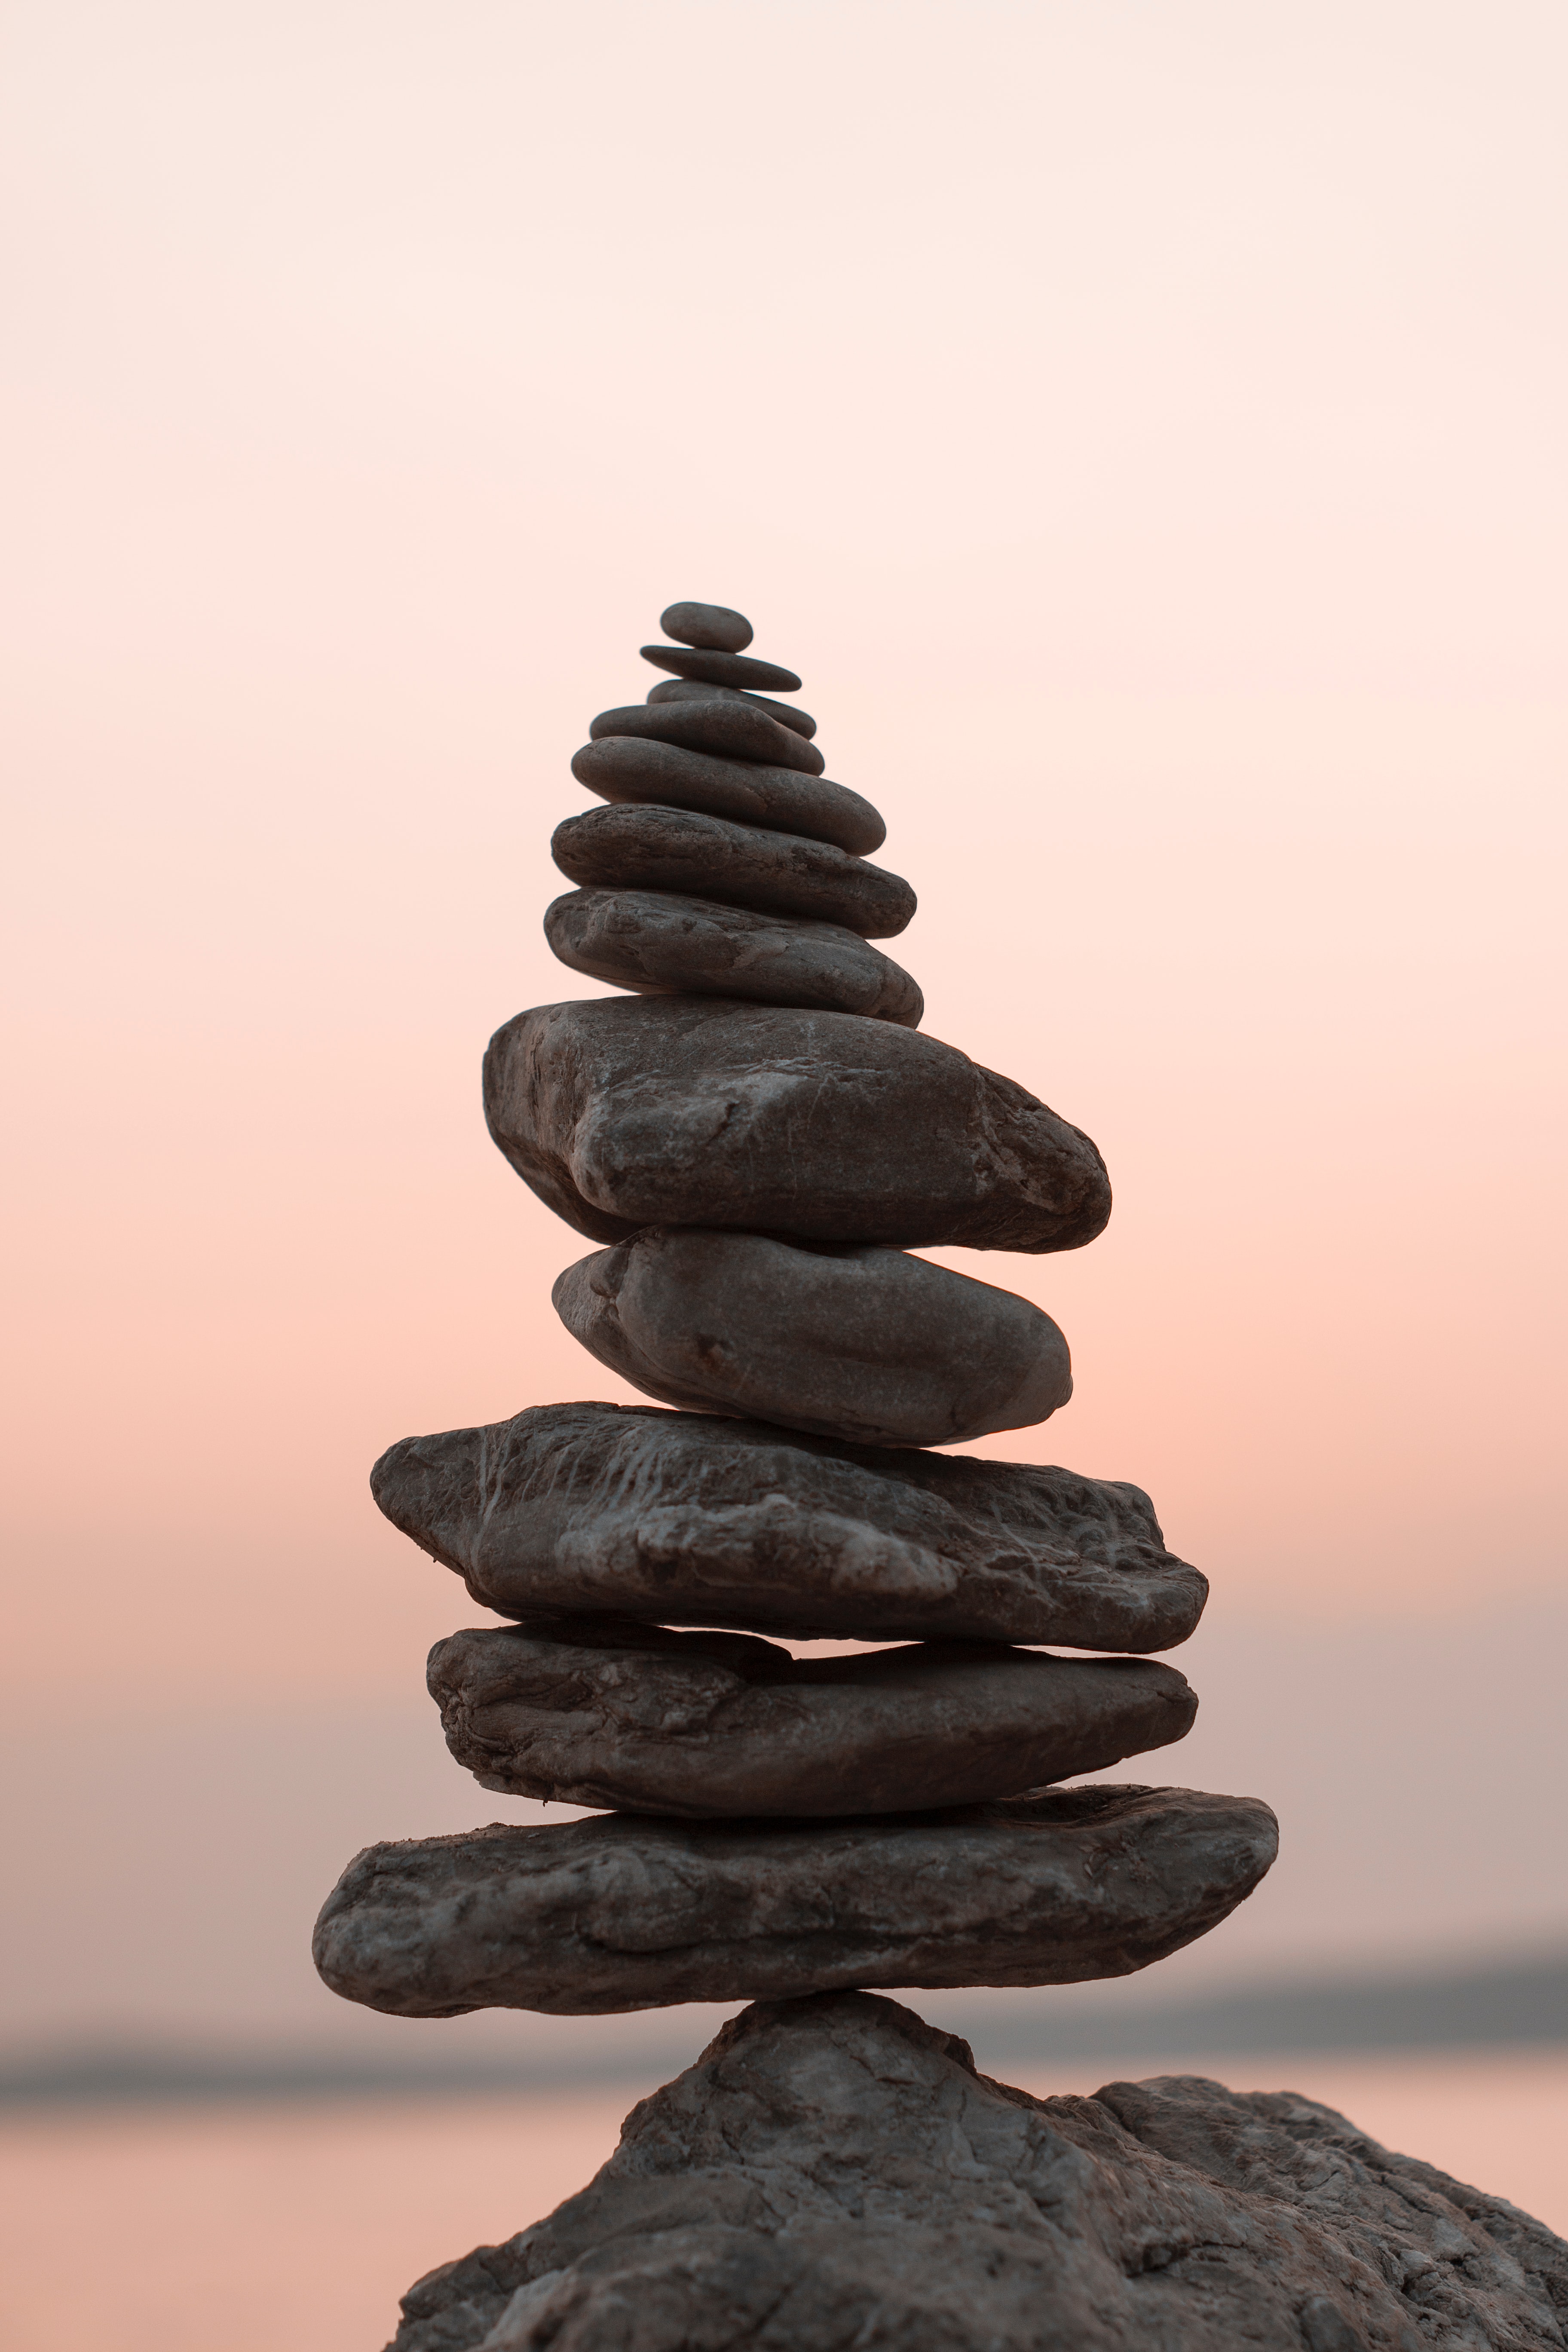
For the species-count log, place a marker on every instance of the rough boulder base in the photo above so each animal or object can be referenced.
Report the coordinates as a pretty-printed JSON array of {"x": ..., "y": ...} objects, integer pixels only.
[
  {"x": 622, "y": 1113},
  {"x": 661, "y": 945},
  {"x": 707, "y": 857},
  {"x": 632, "y": 1911},
  {"x": 600, "y": 1711},
  {"x": 842, "y": 1340},
  {"x": 833, "y": 2175},
  {"x": 686, "y": 1518}
]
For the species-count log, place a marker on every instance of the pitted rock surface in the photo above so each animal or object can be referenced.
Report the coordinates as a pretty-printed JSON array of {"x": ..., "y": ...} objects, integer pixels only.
[
  {"x": 661, "y": 945},
  {"x": 682, "y": 689},
  {"x": 718, "y": 627},
  {"x": 818, "y": 1125},
  {"x": 593, "y": 1711},
  {"x": 749, "y": 792},
  {"x": 732, "y": 729},
  {"x": 744, "y": 865},
  {"x": 842, "y": 1340},
  {"x": 716, "y": 668},
  {"x": 636, "y": 1911},
  {"x": 832, "y": 2174},
  {"x": 676, "y": 1517}
]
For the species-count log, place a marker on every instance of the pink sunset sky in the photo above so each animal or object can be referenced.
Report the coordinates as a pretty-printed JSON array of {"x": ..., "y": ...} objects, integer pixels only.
[{"x": 1142, "y": 429}]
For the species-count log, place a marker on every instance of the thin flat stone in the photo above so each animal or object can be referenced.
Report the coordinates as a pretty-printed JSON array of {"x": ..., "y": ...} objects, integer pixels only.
[
  {"x": 626, "y": 1911},
  {"x": 645, "y": 848},
  {"x": 682, "y": 689},
  {"x": 832, "y": 2173},
  {"x": 723, "y": 670},
  {"x": 680, "y": 1110},
  {"x": 714, "y": 626},
  {"x": 593, "y": 1711},
  {"x": 846, "y": 1341},
  {"x": 622, "y": 768},
  {"x": 665, "y": 946},
  {"x": 734, "y": 731},
  {"x": 692, "y": 1520}
]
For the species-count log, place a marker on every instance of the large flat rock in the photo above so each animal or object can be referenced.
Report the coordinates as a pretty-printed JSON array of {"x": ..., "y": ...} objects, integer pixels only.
[
  {"x": 690, "y": 1519},
  {"x": 843, "y": 1339},
  {"x": 663, "y": 945},
  {"x": 632, "y": 1911},
  {"x": 595, "y": 1711},
  {"x": 833, "y": 2175},
  {"x": 622, "y": 1113},
  {"x": 634, "y": 848}
]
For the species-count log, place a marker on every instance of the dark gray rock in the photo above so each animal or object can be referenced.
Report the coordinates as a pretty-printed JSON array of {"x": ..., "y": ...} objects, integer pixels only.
[
  {"x": 689, "y": 1111},
  {"x": 715, "y": 626},
  {"x": 723, "y": 670},
  {"x": 666, "y": 946},
  {"x": 844, "y": 1341},
  {"x": 623, "y": 767},
  {"x": 734, "y": 731},
  {"x": 685, "y": 1518},
  {"x": 683, "y": 690},
  {"x": 634, "y": 848},
  {"x": 601, "y": 1711},
  {"x": 833, "y": 2175},
  {"x": 635, "y": 1911}
]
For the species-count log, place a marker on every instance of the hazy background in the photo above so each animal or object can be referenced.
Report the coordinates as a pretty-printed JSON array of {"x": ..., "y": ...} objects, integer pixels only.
[{"x": 1142, "y": 428}]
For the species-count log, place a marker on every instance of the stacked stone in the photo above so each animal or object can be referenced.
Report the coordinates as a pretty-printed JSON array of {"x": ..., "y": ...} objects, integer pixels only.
[{"x": 758, "y": 1135}]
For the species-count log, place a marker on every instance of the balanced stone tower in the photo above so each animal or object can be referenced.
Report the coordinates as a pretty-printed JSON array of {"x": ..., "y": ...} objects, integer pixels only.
[{"x": 755, "y": 1137}]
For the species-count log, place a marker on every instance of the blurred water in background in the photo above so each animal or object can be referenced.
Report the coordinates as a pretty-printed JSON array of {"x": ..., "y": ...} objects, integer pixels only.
[{"x": 298, "y": 2225}]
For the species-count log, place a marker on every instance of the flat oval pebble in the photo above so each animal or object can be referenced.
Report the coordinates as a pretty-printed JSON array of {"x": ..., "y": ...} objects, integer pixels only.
[
  {"x": 622, "y": 768},
  {"x": 593, "y": 1711},
  {"x": 625, "y": 1112},
  {"x": 732, "y": 729},
  {"x": 715, "y": 626},
  {"x": 857, "y": 1343},
  {"x": 628, "y": 1911},
  {"x": 650, "y": 849},
  {"x": 723, "y": 670},
  {"x": 682, "y": 689},
  {"x": 684, "y": 1518},
  {"x": 664, "y": 946}
]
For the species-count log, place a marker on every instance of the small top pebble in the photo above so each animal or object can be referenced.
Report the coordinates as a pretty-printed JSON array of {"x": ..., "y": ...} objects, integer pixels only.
[{"x": 714, "y": 627}]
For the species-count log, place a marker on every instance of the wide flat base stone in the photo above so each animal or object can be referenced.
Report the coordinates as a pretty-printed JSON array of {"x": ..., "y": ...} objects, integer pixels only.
[
  {"x": 632, "y": 1911},
  {"x": 602, "y": 1711},
  {"x": 833, "y": 2176}
]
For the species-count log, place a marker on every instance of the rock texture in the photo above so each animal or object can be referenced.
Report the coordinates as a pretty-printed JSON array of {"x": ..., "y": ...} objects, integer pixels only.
[
  {"x": 715, "y": 626},
  {"x": 681, "y": 689},
  {"x": 678, "y": 1517},
  {"x": 833, "y": 2175},
  {"x": 840, "y": 1339},
  {"x": 596, "y": 1711},
  {"x": 676, "y": 1112},
  {"x": 631, "y": 1911},
  {"x": 716, "y": 668},
  {"x": 731, "y": 728},
  {"x": 745, "y": 866},
  {"x": 630, "y": 768},
  {"x": 661, "y": 945}
]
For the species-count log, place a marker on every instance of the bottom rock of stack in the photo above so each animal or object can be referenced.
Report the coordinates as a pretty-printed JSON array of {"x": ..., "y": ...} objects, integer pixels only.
[{"x": 832, "y": 2174}]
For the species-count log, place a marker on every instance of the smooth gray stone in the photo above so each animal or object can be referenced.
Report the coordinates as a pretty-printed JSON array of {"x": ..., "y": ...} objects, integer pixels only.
[
  {"x": 686, "y": 1110},
  {"x": 623, "y": 767},
  {"x": 682, "y": 689},
  {"x": 693, "y": 1519},
  {"x": 844, "y": 1341},
  {"x": 723, "y": 670},
  {"x": 714, "y": 626},
  {"x": 642, "y": 849},
  {"x": 596, "y": 1711},
  {"x": 734, "y": 731},
  {"x": 636, "y": 1911},
  {"x": 667, "y": 946},
  {"x": 832, "y": 2174}
]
